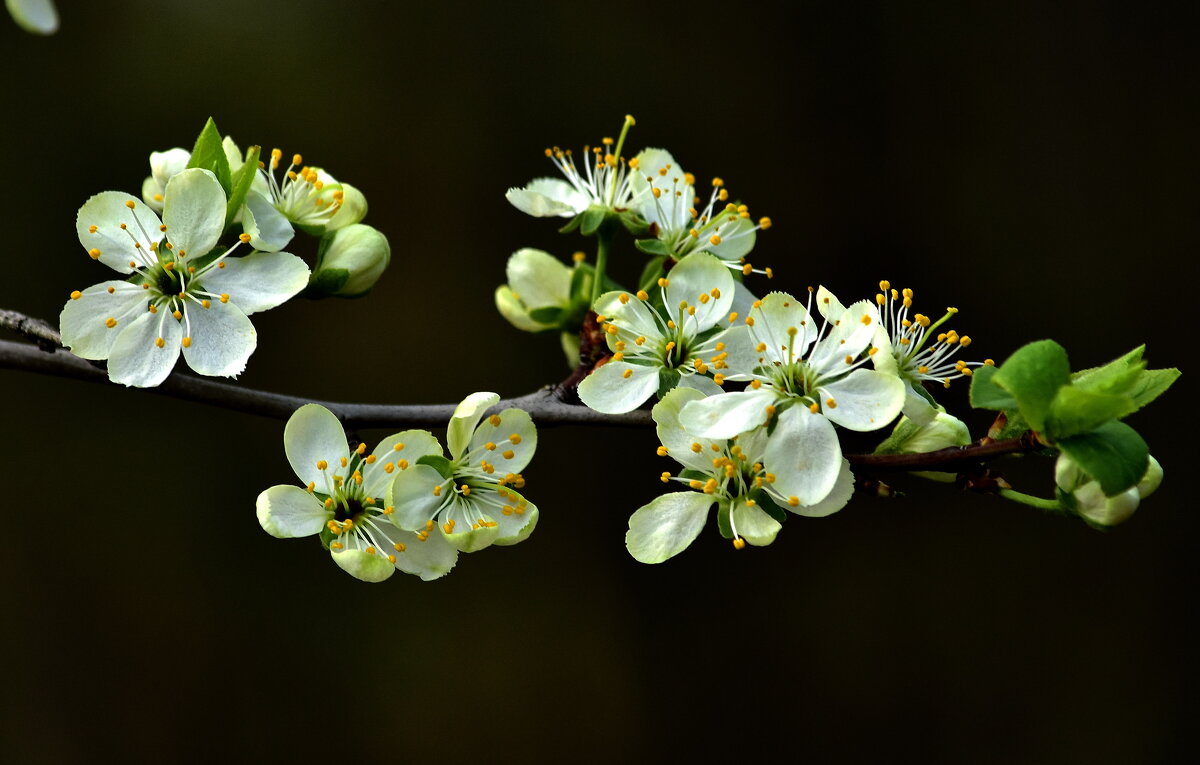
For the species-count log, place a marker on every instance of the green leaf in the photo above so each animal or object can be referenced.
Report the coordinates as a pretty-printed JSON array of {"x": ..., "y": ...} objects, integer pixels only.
[
  {"x": 592, "y": 219},
  {"x": 241, "y": 183},
  {"x": 986, "y": 394},
  {"x": 652, "y": 246},
  {"x": 651, "y": 273},
  {"x": 209, "y": 154},
  {"x": 1128, "y": 375},
  {"x": 325, "y": 282},
  {"x": 581, "y": 283},
  {"x": 550, "y": 314},
  {"x": 1074, "y": 411},
  {"x": 1033, "y": 375},
  {"x": 438, "y": 463},
  {"x": 1114, "y": 454},
  {"x": 572, "y": 225},
  {"x": 1151, "y": 384}
]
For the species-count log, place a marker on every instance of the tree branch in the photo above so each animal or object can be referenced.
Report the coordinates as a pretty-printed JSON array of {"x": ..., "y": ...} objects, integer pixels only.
[{"x": 551, "y": 405}]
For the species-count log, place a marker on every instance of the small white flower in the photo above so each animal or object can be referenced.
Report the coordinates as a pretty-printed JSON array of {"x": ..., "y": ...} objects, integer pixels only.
[
  {"x": 470, "y": 500},
  {"x": 307, "y": 197},
  {"x": 678, "y": 346},
  {"x": 181, "y": 296},
  {"x": 342, "y": 499},
  {"x": 728, "y": 472},
  {"x": 606, "y": 180},
  {"x": 807, "y": 371},
  {"x": 165, "y": 165}
]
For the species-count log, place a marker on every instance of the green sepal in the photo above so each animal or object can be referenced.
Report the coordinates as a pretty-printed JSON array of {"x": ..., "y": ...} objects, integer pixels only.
[
  {"x": 549, "y": 314},
  {"x": 1014, "y": 426},
  {"x": 1074, "y": 411},
  {"x": 651, "y": 273},
  {"x": 202, "y": 261},
  {"x": 634, "y": 223},
  {"x": 668, "y": 380},
  {"x": 723, "y": 524},
  {"x": 767, "y": 505},
  {"x": 241, "y": 182},
  {"x": 591, "y": 219},
  {"x": 1113, "y": 454},
  {"x": 581, "y": 283},
  {"x": 209, "y": 154},
  {"x": 652, "y": 246},
  {"x": 572, "y": 224},
  {"x": 325, "y": 282},
  {"x": 439, "y": 463},
  {"x": 326, "y": 536},
  {"x": 1033, "y": 375}
]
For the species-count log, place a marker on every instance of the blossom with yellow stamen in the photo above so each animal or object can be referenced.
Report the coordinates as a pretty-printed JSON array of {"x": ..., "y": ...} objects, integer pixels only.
[
  {"x": 180, "y": 296},
  {"x": 342, "y": 500}
]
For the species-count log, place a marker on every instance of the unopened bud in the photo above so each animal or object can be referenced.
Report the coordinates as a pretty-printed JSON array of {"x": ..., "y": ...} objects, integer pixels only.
[{"x": 349, "y": 262}]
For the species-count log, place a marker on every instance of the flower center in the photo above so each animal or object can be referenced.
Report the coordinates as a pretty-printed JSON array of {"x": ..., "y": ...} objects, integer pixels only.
[{"x": 300, "y": 193}]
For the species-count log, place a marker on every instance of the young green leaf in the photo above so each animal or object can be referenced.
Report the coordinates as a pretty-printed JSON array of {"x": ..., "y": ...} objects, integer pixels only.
[
  {"x": 1074, "y": 411},
  {"x": 652, "y": 246},
  {"x": 986, "y": 394},
  {"x": 1033, "y": 375},
  {"x": 209, "y": 155},
  {"x": 438, "y": 463},
  {"x": 1114, "y": 454},
  {"x": 241, "y": 183},
  {"x": 591, "y": 219}
]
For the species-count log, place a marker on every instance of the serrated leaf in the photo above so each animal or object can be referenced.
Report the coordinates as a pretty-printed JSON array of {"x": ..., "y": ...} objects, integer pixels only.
[
  {"x": 1074, "y": 411},
  {"x": 1128, "y": 375},
  {"x": 438, "y": 463},
  {"x": 1151, "y": 384},
  {"x": 209, "y": 154},
  {"x": 986, "y": 394},
  {"x": 1113, "y": 454},
  {"x": 1033, "y": 375},
  {"x": 652, "y": 246},
  {"x": 241, "y": 182}
]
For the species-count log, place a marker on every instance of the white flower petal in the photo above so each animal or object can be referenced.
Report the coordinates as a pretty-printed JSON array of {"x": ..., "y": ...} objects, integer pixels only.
[
  {"x": 517, "y": 314},
  {"x": 429, "y": 558},
  {"x": 106, "y": 211},
  {"x": 165, "y": 165},
  {"x": 676, "y": 438},
  {"x": 268, "y": 228},
  {"x": 152, "y": 194},
  {"x": 233, "y": 155},
  {"x": 516, "y": 519},
  {"x": 314, "y": 434},
  {"x": 411, "y": 494},
  {"x": 916, "y": 407},
  {"x": 625, "y": 312},
  {"x": 607, "y": 389},
  {"x": 804, "y": 454},
  {"x": 699, "y": 274},
  {"x": 83, "y": 321},
  {"x": 729, "y": 414},
  {"x": 259, "y": 281},
  {"x": 194, "y": 212},
  {"x": 413, "y": 445},
  {"x": 222, "y": 339},
  {"x": 753, "y": 523},
  {"x": 36, "y": 16},
  {"x": 667, "y": 525},
  {"x": 742, "y": 358},
  {"x": 538, "y": 278},
  {"x": 136, "y": 358},
  {"x": 866, "y": 400},
  {"x": 289, "y": 511},
  {"x": 737, "y": 239},
  {"x": 466, "y": 416},
  {"x": 837, "y": 498},
  {"x": 701, "y": 383},
  {"x": 364, "y": 566},
  {"x": 352, "y": 209},
  {"x": 547, "y": 197},
  {"x": 473, "y": 526},
  {"x": 828, "y": 304},
  {"x": 784, "y": 326},
  {"x": 499, "y": 430}
]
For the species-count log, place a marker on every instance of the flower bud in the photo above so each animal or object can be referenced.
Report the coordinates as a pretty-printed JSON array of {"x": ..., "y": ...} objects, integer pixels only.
[
  {"x": 164, "y": 165},
  {"x": 349, "y": 262},
  {"x": 1150, "y": 482},
  {"x": 1084, "y": 495},
  {"x": 943, "y": 431},
  {"x": 538, "y": 294}
]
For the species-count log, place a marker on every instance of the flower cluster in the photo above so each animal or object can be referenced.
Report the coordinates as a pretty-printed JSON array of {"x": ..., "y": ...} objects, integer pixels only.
[{"x": 406, "y": 505}]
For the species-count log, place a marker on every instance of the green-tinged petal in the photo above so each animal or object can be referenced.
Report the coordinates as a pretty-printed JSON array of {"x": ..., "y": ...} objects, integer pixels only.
[
  {"x": 313, "y": 435},
  {"x": 362, "y": 565},
  {"x": 863, "y": 400},
  {"x": 1100, "y": 510},
  {"x": 412, "y": 495},
  {"x": 513, "y": 437},
  {"x": 222, "y": 339},
  {"x": 258, "y": 281},
  {"x": 538, "y": 278},
  {"x": 233, "y": 155},
  {"x": 701, "y": 383},
  {"x": 137, "y": 358},
  {"x": 84, "y": 320},
  {"x": 35, "y": 16},
  {"x": 805, "y": 456},
  {"x": 628, "y": 314},
  {"x": 783, "y": 325},
  {"x": 109, "y": 243},
  {"x": 679, "y": 442},
  {"x": 466, "y": 416},
  {"x": 194, "y": 212},
  {"x": 548, "y": 197},
  {"x": 752, "y": 523},
  {"x": 843, "y": 490},
  {"x": 515, "y": 516},
  {"x": 397, "y": 452},
  {"x": 737, "y": 240},
  {"x": 429, "y": 556},
  {"x": 468, "y": 525},
  {"x": 828, "y": 304},
  {"x": 517, "y": 314},
  {"x": 667, "y": 525},
  {"x": 727, "y": 415},
  {"x": 916, "y": 407},
  {"x": 352, "y": 210},
  {"x": 884, "y": 359},
  {"x": 618, "y": 387},
  {"x": 268, "y": 228},
  {"x": 1152, "y": 480},
  {"x": 289, "y": 511},
  {"x": 699, "y": 274}
]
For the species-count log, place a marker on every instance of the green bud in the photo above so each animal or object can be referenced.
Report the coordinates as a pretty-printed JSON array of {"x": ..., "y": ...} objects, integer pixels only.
[
  {"x": 349, "y": 262},
  {"x": 943, "y": 431},
  {"x": 1083, "y": 494},
  {"x": 352, "y": 211}
]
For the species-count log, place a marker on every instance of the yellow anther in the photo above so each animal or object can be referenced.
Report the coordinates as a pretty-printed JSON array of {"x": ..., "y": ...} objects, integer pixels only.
[
  {"x": 627, "y": 374},
  {"x": 76, "y": 295},
  {"x": 829, "y": 402},
  {"x": 696, "y": 447},
  {"x": 733, "y": 316},
  {"x": 494, "y": 420},
  {"x": 747, "y": 269},
  {"x": 760, "y": 347},
  {"x": 880, "y": 298},
  {"x": 905, "y": 340},
  {"x": 710, "y": 486},
  {"x": 343, "y": 461},
  {"x": 491, "y": 447},
  {"x": 755, "y": 384},
  {"x": 663, "y": 281},
  {"x": 624, "y": 298},
  {"x": 923, "y": 370},
  {"x": 849, "y": 359},
  {"x": 714, "y": 239},
  {"x": 770, "y": 409},
  {"x": 814, "y": 407},
  {"x": 989, "y": 363},
  {"x": 110, "y": 322},
  {"x": 639, "y": 341},
  {"x": 695, "y": 484},
  {"x": 177, "y": 314},
  {"x": 719, "y": 379},
  {"x": 964, "y": 341},
  {"x": 670, "y": 346},
  {"x": 402, "y": 464},
  {"x": 739, "y": 543},
  {"x": 619, "y": 345},
  {"x": 129, "y": 203},
  {"x": 872, "y": 351},
  {"x": 515, "y": 438},
  {"x": 206, "y": 303},
  {"x": 749, "y": 321},
  {"x": 508, "y": 454},
  {"x": 717, "y": 182},
  {"x": 764, "y": 223},
  {"x": 579, "y": 257},
  {"x": 611, "y": 329},
  {"x": 641, "y": 295},
  {"x": 770, "y": 272},
  {"x": 94, "y": 253},
  {"x": 671, "y": 324}
]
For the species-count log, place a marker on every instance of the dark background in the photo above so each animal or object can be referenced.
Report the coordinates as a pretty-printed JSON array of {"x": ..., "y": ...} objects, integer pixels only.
[{"x": 1035, "y": 167}]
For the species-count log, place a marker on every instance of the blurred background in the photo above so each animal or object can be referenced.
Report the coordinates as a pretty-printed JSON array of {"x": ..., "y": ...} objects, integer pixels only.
[{"x": 1035, "y": 167}]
